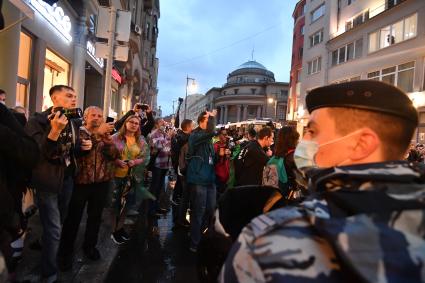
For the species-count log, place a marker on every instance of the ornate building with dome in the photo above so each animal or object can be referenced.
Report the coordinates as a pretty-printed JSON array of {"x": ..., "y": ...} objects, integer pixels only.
[{"x": 250, "y": 92}]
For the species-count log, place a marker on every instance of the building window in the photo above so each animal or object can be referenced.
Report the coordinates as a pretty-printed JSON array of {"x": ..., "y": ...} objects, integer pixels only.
[
  {"x": 302, "y": 30},
  {"x": 348, "y": 52},
  {"x": 299, "y": 75},
  {"x": 300, "y": 53},
  {"x": 236, "y": 90},
  {"x": 253, "y": 90},
  {"x": 318, "y": 12},
  {"x": 357, "y": 20},
  {"x": 224, "y": 92},
  {"x": 400, "y": 76},
  {"x": 314, "y": 66},
  {"x": 394, "y": 33},
  {"x": 303, "y": 10},
  {"x": 56, "y": 72},
  {"x": 316, "y": 38},
  {"x": 24, "y": 63}
]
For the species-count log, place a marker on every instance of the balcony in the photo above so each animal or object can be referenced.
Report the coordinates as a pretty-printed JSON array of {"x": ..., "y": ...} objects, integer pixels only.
[{"x": 373, "y": 11}]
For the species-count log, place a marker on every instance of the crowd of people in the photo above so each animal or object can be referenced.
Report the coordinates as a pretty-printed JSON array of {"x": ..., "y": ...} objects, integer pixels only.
[{"x": 338, "y": 205}]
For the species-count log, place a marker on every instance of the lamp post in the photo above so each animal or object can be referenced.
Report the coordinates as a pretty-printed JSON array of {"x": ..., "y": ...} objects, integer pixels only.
[
  {"x": 272, "y": 100},
  {"x": 185, "y": 99}
]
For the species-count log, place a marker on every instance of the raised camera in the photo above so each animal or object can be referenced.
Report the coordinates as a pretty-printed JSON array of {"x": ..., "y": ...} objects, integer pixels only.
[{"x": 72, "y": 113}]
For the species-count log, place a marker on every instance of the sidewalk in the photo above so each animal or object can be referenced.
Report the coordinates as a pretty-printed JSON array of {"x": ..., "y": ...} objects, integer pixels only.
[{"x": 84, "y": 270}]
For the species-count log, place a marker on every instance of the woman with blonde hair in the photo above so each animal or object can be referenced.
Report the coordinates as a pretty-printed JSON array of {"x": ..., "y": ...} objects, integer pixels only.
[{"x": 129, "y": 172}]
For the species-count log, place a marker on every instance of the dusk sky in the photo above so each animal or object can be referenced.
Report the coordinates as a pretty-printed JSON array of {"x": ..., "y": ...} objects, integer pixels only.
[{"x": 209, "y": 39}]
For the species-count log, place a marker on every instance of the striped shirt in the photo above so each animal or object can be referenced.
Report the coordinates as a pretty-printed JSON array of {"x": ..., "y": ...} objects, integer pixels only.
[{"x": 160, "y": 142}]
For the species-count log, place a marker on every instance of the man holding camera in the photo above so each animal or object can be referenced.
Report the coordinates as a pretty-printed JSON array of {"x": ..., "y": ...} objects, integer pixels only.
[
  {"x": 146, "y": 124},
  {"x": 52, "y": 178},
  {"x": 201, "y": 175},
  {"x": 96, "y": 170}
]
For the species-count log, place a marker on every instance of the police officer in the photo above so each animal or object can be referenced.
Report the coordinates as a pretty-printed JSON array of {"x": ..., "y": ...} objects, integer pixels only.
[{"x": 364, "y": 219}]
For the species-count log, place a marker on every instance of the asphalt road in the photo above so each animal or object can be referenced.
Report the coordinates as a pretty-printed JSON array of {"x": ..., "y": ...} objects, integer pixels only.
[{"x": 146, "y": 258}]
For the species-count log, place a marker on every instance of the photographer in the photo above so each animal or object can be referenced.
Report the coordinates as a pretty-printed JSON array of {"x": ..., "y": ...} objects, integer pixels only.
[
  {"x": 52, "y": 178},
  {"x": 96, "y": 170},
  {"x": 222, "y": 166},
  {"x": 146, "y": 124}
]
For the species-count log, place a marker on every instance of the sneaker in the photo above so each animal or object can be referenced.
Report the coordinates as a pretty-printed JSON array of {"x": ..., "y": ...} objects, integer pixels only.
[
  {"x": 129, "y": 221},
  {"x": 132, "y": 212},
  {"x": 92, "y": 253},
  {"x": 117, "y": 238},
  {"x": 124, "y": 235},
  {"x": 193, "y": 249}
]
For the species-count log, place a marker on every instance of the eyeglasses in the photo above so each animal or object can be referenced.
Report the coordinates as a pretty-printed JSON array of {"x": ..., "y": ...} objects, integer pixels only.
[{"x": 134, "y": 123}]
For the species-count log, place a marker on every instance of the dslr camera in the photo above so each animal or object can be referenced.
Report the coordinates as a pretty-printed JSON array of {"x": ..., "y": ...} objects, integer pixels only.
[
  {"x": 72, "y": 113},
  {"x": 142, "y": 107}
]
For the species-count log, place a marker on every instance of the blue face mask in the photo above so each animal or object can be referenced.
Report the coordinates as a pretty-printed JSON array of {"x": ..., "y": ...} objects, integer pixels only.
[{"x": 305, "y": 152}]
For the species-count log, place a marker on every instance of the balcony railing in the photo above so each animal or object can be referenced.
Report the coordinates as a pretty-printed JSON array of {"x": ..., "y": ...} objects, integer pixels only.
[{"x": 381, "y": 7}]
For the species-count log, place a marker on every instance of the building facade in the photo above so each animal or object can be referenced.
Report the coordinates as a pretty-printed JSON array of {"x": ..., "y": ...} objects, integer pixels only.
[
  {"x": 250, "y": 92},
  {"x": 366, "y": 39},
  {"x": 297, "y": 59},
  {"x": 45, "y": 45}
]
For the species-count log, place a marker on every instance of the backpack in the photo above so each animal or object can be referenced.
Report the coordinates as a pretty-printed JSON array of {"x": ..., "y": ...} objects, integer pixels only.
[
  {"x": 274, "y": 173},
  {"x": 183, "y": 158}
]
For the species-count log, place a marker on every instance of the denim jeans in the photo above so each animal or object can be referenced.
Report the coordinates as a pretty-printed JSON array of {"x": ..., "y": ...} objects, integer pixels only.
[
  {"x": 53, "y": 208},
  {"x": 203, "y": 199}
]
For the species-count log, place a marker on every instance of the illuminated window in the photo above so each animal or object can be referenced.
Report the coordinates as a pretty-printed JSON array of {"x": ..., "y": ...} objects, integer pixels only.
[
  {"x": 56, "y": 72},
  {"x": 401, "y": 76},
  {"x": 24, "y": 63}
]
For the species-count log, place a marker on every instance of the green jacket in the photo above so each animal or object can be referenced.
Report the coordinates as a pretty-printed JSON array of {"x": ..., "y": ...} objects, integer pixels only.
[{"x": 200, "y": 157}]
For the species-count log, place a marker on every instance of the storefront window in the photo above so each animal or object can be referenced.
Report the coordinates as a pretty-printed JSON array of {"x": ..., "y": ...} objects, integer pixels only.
[
  {"x": 24, "y": 63},
  {"x": 56, "y": 72}
]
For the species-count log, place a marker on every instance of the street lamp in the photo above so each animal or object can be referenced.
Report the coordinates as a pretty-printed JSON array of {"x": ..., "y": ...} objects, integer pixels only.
[
  {"x": 187, "y": 85},
  {"x": 272, "y": 100}
]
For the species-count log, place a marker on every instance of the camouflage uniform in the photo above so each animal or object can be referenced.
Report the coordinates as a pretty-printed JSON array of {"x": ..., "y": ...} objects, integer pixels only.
[{"x": 366, "y": 223}]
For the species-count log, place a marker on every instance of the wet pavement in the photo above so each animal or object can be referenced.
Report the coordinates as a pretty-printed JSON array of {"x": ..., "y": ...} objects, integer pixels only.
[{"x": 146, "y": 258}]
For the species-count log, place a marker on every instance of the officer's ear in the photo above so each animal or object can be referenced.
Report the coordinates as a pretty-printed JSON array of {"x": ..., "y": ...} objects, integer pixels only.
[{"x": 368, "y": 146}]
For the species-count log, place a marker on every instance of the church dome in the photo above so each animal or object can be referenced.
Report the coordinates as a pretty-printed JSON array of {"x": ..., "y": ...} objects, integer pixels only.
[{"x": 250, "y": 71}]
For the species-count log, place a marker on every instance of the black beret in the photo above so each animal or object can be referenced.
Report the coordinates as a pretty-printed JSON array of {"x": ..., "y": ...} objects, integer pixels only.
[{"x": 369, "y": 95}]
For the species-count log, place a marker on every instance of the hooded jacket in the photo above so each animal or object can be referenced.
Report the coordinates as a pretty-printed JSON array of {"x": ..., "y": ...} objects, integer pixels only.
[
  {"x": 200, "y": 168},
  {"x": 364, "y": 224}
]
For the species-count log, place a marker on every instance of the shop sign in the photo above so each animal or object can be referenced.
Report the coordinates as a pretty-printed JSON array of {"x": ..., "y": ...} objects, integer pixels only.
[
  {"x": 91, "y": 50},
  {"x": 55, "y": 16},
  {"x": 116, "y": 76}
]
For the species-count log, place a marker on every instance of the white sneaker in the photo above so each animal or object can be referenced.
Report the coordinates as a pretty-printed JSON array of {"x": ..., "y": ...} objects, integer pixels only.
[
  {"x": 129, "y": 221},
  {"x": 132, "y": 212}
]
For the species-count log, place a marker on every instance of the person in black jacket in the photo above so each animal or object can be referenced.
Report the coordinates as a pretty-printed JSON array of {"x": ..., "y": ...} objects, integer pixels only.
[
  {"x": 18, "y": 155},
  {"x": 251, "y": 160},
  {"x": 53, "y": 175},
  {"x": 146, "y": 124},
  {"x": 180, "y": 193}
]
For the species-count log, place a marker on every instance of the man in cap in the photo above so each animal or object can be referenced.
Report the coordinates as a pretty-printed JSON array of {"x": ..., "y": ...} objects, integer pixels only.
[{"x": 364, "y": 219}]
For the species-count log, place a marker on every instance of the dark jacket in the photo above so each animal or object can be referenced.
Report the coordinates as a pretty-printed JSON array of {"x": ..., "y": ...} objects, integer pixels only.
[
  {"x": 177, "y": 143},
  {"x": 200, "y": 169},
  {"x": 250, "y": 164},
  {"x": 49, "y": 172},
  {"x": 18, "y": 153},
  {"x": 146, "y": 125}
]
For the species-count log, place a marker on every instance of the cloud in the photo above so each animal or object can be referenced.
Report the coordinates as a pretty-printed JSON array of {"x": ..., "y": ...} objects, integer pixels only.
[{"x": 213, "y": 30}]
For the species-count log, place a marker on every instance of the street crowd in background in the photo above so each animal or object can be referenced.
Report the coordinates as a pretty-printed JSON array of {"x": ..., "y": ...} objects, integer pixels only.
[{"x": 261, "y": 205}]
